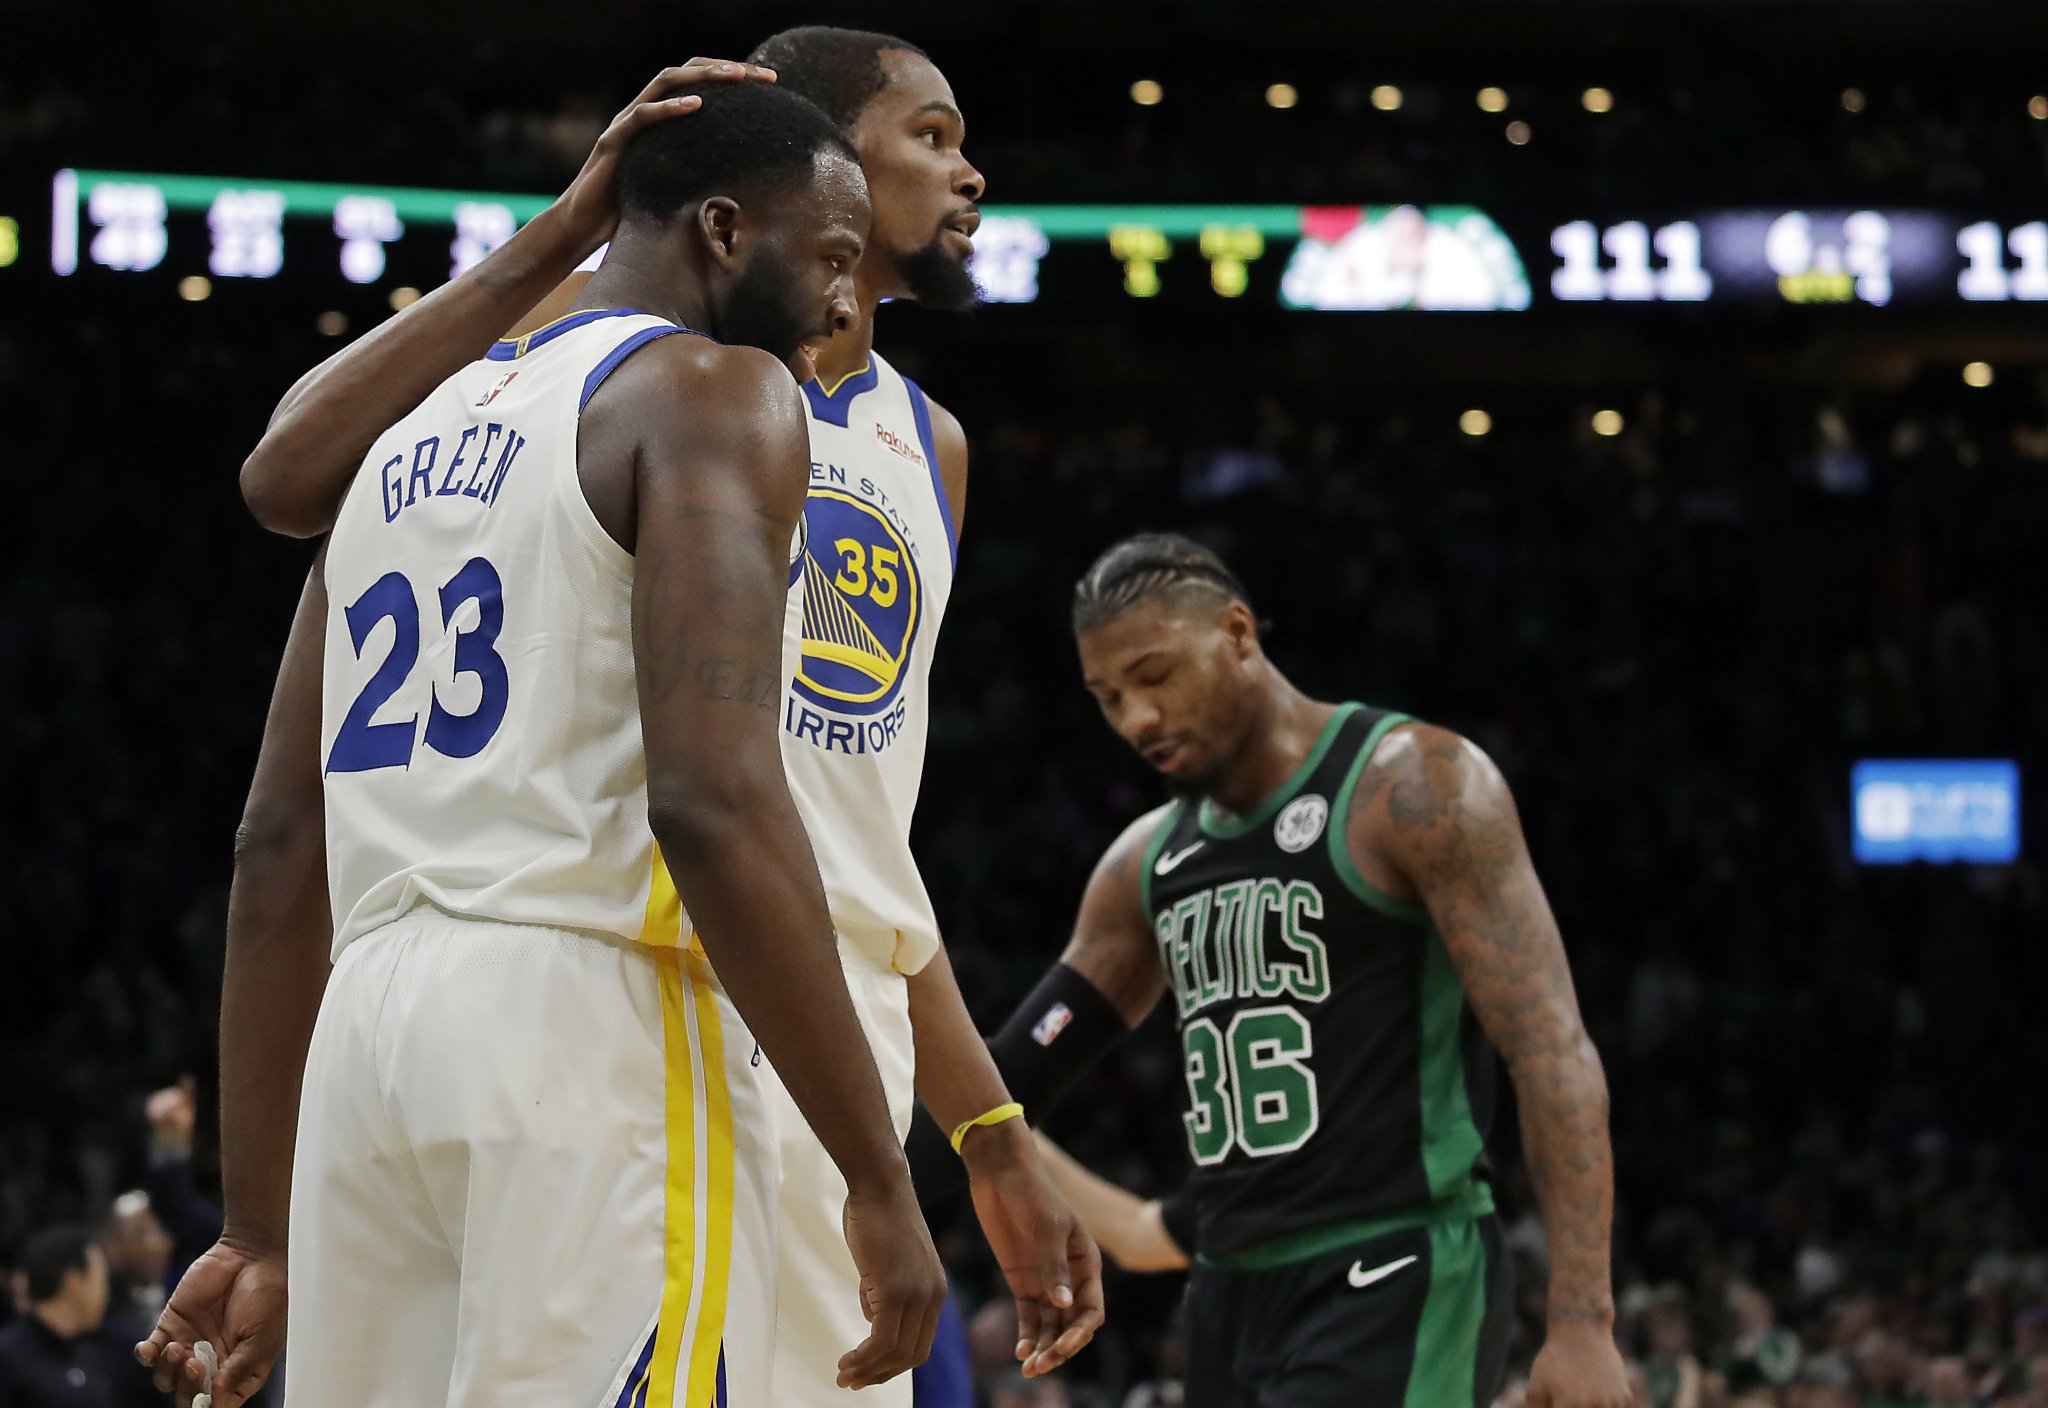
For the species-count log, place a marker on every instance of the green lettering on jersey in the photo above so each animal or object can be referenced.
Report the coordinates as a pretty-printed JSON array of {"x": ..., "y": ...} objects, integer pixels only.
[
  {"x": 1216, "y": 949},
  {"x": 1309, "y": 980},
  {"x": 1182, "y": 930},
  {"x": 1236, "y": 935}
]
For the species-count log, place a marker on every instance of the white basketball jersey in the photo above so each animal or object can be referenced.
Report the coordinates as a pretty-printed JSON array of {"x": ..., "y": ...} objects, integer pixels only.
[
  {"x": 481, "y": 727},
  {"x": 865, "y": 603}
]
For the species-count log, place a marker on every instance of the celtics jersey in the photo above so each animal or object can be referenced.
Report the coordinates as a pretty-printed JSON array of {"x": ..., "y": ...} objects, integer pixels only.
[{"x": 1333, "y": 1070}]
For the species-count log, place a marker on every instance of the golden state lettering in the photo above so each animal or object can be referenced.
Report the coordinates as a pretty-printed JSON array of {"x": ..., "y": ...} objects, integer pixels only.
[
  {"x": 464, "y": 469},
  {"x": 1248, "y": 938}
]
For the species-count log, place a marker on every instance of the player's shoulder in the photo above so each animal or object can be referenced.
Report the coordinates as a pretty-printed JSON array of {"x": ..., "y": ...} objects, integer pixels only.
[
  {"x": 949, "y": 437},
  {"x": 692, "y": 385},
  {"x": 1421, "y": 779},
  {"x": 1126, "y": 854},
  {"x": 1117, "y": 888},
  {"x": 705, "y": 367}
]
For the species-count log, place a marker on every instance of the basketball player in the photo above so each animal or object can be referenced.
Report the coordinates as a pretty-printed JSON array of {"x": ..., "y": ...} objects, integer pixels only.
[
  {"x": 535, "y": 1165},
  {"x": 1337, "y": 895},
  {"x": 888, "y": 486}
]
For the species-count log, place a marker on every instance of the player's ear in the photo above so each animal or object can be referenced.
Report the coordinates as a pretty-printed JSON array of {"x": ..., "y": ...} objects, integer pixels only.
[
  {"x": 1242, "y": 628},
  {"x": 719, "y": 221}
]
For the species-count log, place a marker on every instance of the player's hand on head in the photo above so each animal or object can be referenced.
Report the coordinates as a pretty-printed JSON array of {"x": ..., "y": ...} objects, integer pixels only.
[
  {"x": 1579, "y": 1366},
  {"x": 233, "y": 1297},
  {"x": 590, "y": 204},
  {"x": 1053, "y": 1266},
  {"x": 902, "y": 1286}
]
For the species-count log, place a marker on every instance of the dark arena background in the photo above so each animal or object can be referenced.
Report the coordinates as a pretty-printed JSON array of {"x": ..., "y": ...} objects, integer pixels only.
[{"x": 1655, "y": 392}]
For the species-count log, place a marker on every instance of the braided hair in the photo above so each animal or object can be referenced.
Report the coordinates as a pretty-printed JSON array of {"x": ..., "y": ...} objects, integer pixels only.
[{"x": 1148, "y": 565}]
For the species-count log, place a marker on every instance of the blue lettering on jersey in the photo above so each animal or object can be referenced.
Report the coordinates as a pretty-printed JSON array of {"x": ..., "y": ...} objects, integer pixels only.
[
  {"x": 486, "y": 480},
  {"x": 854, "y": 737}
]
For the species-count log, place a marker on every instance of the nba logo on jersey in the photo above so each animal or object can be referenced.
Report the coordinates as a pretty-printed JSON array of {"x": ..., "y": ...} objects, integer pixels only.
[{"x": 503, "y": 382}]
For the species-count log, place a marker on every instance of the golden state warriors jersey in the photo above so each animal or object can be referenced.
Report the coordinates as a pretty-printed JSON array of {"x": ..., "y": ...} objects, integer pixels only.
[
  {"x": 481, "y": 727},
  {"x": 866, "y": 596}
]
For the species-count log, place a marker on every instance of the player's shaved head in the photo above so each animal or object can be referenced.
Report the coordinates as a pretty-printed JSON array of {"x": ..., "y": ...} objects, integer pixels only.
[
  {"x": 747, "y": 138},
  {"x": 840, "y": 70},
  {"x": 1149, "y": 567}
]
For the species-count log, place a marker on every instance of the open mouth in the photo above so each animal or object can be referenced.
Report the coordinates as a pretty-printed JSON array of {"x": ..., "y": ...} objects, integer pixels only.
[{"x": 965, "y": 223}]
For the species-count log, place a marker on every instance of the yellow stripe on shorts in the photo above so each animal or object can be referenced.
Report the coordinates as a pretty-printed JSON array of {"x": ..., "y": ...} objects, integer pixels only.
[
  {"x": 679, "y": 1202},
  {"x": 662, "y": 925},
  {"x": 693, "y": 1311},
  {"x": 718, "y": 1190}
]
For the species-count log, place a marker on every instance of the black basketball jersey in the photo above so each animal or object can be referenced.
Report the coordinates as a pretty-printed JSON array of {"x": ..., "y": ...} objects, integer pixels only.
[{"x": 1333, "y": 1070}]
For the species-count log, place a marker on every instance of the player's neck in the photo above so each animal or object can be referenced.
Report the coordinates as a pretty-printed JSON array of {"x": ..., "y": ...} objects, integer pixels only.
[
  {"x": 620, "y": 283},
  {"x": 1286, "y": 728}
]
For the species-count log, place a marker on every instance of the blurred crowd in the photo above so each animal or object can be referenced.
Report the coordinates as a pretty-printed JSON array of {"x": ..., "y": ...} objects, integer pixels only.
[
  {"x": 1052, "y": 116},
  {"x": 1675, "y": 640}
]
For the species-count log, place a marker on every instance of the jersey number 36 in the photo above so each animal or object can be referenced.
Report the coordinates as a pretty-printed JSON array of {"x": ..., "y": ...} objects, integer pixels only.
[
  {"x": 1249, "y": 1086},
  {"x": 361, "y": 746}
]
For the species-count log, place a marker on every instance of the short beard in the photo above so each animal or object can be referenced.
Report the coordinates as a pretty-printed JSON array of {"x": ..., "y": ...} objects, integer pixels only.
[
  {"x": 935, "y": 278},
  {"x": 757, "y": 312}
]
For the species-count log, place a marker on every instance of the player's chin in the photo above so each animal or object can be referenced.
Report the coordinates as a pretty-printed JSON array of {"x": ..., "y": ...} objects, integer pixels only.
[{"x": 802, "y": 362}]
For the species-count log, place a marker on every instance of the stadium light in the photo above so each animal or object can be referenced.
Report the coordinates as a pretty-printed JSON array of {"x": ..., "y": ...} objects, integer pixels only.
[
  {"x": 1386, "y": 97},
  {"x": 195, "y": 288},
  {"x": 1977, "y": 374},
  {"x": 1852, "y": 100},
  {"x": 1475, "y": 423},
  {"x": 404, "y": 296},
  {"x": 2037, "y": 107},
  {"x": 1282, "y": 95},
  {"x": 331, "y": 324},
  {"x": 1146, "y": 93},
  {"x": 1493, "y": 100},
  {"x": 1518, "y": 133},
  {"x": 1597, "y": 100},
  {"x": 1607, "y": 423}
]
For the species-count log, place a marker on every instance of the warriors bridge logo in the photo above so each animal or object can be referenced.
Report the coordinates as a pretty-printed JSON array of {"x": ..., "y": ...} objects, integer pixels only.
[{"x": 861, "y": 604}]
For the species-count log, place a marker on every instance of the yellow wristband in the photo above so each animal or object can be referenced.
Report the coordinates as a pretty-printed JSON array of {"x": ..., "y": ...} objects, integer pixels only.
[{"x": 1011, "y": 1111}]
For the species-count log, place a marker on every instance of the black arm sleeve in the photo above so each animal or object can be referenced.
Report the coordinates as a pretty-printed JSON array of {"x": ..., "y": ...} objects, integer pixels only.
[{"x": 1057, "y": 1032}]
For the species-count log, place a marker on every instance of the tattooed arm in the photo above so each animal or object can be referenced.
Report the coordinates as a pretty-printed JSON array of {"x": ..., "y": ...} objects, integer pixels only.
[
  {"x": 1435, "y": 822},
  {"x": 1112, "y": 946},
  {"x": 695, "y": 458}
]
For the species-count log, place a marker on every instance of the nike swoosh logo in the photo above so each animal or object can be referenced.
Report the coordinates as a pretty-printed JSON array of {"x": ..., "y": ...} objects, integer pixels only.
[
  {"x": 1167, "y": 863},
  {"x": 1358, "y": 1276}
]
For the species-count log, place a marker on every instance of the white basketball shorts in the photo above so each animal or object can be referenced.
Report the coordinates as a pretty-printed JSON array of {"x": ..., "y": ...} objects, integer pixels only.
[
  {"x": 535, "y": 1170},
  {"x": 817, "y": 1306}
]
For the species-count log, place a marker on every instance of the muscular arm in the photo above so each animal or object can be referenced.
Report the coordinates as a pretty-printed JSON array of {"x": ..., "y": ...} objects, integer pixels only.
[
  {"x": 1438, "y": 815},
  {"x": 278, "y": 931},
  {"x": 1130, "y": 1228},
  {"x": 719, "y": 453},
  {"x": 293, "y": 481},
  {"x": 1112, "y": 951},
  {"x": 950, "y": 441},
  {"x": 1112, "y": 946}
]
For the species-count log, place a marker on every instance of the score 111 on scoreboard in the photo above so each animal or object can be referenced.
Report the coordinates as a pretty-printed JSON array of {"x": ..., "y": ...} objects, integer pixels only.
[{"x": 1326, "y": 258}]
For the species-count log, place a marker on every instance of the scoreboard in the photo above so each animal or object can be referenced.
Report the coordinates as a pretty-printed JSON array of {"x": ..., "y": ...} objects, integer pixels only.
[{"x": 1310, "y": 258}]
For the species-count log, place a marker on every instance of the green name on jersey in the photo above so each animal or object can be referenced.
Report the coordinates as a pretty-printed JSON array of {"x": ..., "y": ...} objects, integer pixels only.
[{"x": 1214, "y": 944}]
